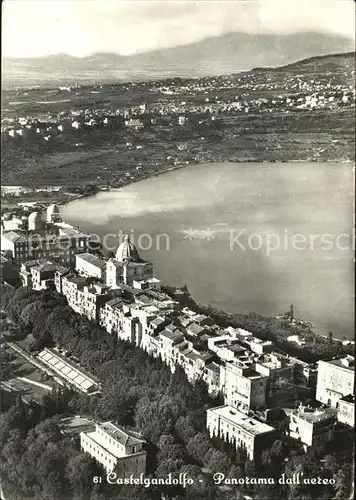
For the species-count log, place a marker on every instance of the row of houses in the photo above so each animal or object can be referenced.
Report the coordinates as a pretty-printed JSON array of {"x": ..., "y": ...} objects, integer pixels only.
[
  {"x": 286, "y": 82},
  {"x": 123, "y": 296},
  {"x": 246, "y": 371},
  {"x": 297, "y": 92},
  {"x": 43, "y": 235},
  {"x": 310, "y": 425}
]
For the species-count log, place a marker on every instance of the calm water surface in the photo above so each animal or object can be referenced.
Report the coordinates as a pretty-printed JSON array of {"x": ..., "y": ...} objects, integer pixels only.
[{"x": 301, "y": 208}]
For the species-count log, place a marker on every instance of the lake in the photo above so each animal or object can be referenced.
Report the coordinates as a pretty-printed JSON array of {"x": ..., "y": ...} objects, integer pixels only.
[{"x": 243, "y": 237}]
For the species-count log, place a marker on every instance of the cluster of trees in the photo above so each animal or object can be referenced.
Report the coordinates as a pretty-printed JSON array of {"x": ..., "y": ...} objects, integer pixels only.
[
  {"x": 141, "y": 393},
  {"x": 138, "y": 391},
  {"x": 38, "y": 461},
  {"x": 269, "y": 328},
  {"x": 281, "y": 465},
  {"x": 5, "y": 360},
  {"x": 87, "y": 189}
]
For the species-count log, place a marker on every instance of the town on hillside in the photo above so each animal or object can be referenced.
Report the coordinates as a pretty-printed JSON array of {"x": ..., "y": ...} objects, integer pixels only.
[
  {"x": 262, "y": 395},
  {"x": 176, "y": 315},
  {"x": 109, "y": 135}
]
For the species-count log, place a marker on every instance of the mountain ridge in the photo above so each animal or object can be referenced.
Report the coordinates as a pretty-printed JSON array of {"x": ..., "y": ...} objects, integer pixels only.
[
  {"x": 229, "y": 53},
  {"x": 211, "y": 39}
]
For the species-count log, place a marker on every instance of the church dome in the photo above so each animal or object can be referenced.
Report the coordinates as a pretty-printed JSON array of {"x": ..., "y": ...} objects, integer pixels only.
[{"x": 127, "y": 252}]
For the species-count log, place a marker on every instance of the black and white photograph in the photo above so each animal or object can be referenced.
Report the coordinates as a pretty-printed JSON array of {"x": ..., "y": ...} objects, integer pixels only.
[{"x": 177, "y": 250}]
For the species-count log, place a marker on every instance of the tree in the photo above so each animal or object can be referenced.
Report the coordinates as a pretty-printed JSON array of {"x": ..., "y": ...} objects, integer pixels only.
[
  {"x": 17, "y": 300},
  {"x": 198, "y": 446},
  {"x": 135, "y": 492},
  {"x": 11, "y": 454},
  {"x": 20, "y": 416},
  {"x": 171, "y": 452},
  {"x": 153, "y": 420},
  {"x": 47, "y": 431},
  {"x": 184, "y": 429},
  {"x": 80, "y": 471},
  {"x": 266, "y": 458},
  {"x": 308, "y": 468},
  {"x": 201, "y": 394},
  {"x": 169, "y": 466},
  {"x": 250, "y": 469},
  {"x": 235, "y": 472},
  {"x": 277, "y": 448},
  {"x": 216, "y": 461},
  {"x": 5, "y": 359},
  {"x": 34, "y": 316},
  {"x": 202, "y": 487},
  {"x": 165, "y": 440},
  {"x": 330, "y": 463},
  {"x": 341, "y": 485}
]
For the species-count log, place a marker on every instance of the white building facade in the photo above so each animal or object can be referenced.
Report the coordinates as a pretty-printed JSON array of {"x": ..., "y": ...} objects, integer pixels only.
[
  {"x": 242, "y": 386},
  {"x": 235, "y": 427},
  {"x": 335, "y": 380},
  {"x": 90, "y": 265},
  {"x": 116, "y": 449},
  {"x": 314, "y": 428}
]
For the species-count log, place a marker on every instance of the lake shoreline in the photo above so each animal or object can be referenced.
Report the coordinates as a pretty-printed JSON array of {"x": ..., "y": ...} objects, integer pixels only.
[
  {"x": 169, "y": 204},
  {"x": 66, "y": 197},
  {"x": 179, "y": 167},
  {"x": 243, "y": 319}
]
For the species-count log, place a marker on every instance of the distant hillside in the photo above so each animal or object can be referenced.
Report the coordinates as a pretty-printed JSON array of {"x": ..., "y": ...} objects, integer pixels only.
[
  {"x": 230, "y": 53},
  {"x": 322, "y": 64},
  {"x": 328, "y": 62},
  {"x": 339, "y": 67}
]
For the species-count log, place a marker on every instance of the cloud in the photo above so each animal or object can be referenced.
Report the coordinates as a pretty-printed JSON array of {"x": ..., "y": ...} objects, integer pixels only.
[{"x": 81, "y": 27}]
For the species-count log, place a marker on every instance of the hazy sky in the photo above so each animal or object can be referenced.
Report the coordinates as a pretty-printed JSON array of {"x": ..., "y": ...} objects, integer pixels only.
[{"x": 81, "y": 27}]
